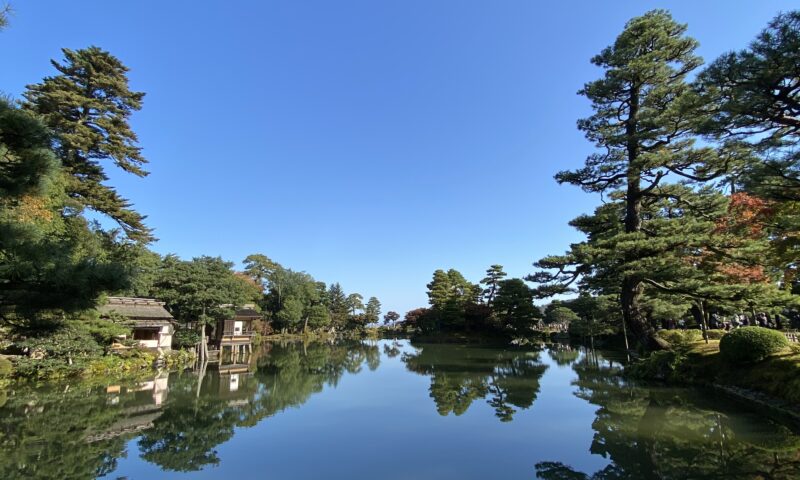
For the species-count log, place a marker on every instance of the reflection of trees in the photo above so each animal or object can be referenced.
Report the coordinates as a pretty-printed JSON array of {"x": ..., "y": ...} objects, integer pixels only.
[
  {"x": 461, "y": 374},
  {"x": 43, "y": 435},
  {"x": 660, "y": 433},
  {"x": 80, "y": 431},
  {"x": 392, "y": 349},
  {"x": 184, "y": 438},
  {"x": 563, "y": 354}
]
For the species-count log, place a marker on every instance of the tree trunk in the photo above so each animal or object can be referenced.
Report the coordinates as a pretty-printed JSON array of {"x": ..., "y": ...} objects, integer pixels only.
[
  {"x": 632, "y": 286},
  {"x": 203, "y": 347},
  {"x": 700, "y": 314}
]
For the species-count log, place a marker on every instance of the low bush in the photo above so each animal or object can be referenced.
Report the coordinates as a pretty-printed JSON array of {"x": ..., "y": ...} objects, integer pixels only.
[
  {"x": 680, "y": 337},
  {"x": 6, "y": 368},
  {"x": 179, "y": 358},
  {"x": 716, "y": 334},
  {"x": 751, "y": 344},
  {"x": 132, "y": 361},
  {"x": 661, "y": 365}
]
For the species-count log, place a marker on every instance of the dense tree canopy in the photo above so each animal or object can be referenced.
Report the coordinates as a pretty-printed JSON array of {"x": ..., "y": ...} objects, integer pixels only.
[
  {"x": 87, "y": 105},
  {"x": 693, "y": 244}
]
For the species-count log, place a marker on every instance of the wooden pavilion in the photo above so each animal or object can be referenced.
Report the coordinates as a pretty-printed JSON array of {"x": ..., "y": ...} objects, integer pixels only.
[{"x": 151, "y": 323}]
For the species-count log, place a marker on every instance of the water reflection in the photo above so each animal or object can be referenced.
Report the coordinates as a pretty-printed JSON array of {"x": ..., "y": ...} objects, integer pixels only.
[
  {"x": 461, "y": 374},
  {"x": 181, "y": 418},
  {"x": 179, "y": 422},
  {"x": 669, "y": 433}
]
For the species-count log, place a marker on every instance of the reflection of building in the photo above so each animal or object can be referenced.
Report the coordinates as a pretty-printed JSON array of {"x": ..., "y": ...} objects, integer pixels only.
[
  {"x": 237, "y": 333},
  {"x": 141, "y": 407},
  {"x": 235, "y": 383},
  {"x": 151, "y": 322}
]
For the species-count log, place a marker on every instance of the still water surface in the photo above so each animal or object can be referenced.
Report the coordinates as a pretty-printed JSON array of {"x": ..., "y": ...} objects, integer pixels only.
[{"x": 392, "y": 410}]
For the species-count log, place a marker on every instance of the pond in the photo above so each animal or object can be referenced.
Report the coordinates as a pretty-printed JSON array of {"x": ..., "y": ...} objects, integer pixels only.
[{"x": 391, "y": 409}]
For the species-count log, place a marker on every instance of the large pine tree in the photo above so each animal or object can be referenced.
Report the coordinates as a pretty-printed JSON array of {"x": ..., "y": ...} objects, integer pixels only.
[
  {"x": 87, "y": 105},
  {"x": 645, "y": 115}
]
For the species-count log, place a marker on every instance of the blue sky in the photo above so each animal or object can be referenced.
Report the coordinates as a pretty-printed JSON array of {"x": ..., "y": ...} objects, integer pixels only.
[{"x": 364, "y": 142}]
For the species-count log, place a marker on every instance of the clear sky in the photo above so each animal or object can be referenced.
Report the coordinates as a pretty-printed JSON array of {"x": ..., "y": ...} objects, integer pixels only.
[{"x": 365, "y": 142}]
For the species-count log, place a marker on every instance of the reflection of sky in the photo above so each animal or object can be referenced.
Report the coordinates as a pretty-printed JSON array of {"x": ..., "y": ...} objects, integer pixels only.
[{"x": 384, "y": 424}]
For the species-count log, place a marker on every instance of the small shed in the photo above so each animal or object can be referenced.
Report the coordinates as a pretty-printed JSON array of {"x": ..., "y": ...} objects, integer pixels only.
[
  {"x": 152, "y": 324},
  {"x": 237, "y": 331}
]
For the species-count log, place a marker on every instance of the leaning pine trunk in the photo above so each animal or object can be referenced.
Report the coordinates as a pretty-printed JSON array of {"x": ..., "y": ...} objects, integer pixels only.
[
  {"x": 203, "y": 351},
  {"x": 634, "y": 317}
]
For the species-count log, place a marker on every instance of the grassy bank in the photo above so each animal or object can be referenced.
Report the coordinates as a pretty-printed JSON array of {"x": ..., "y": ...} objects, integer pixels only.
[{"x": 692, "y": 361}]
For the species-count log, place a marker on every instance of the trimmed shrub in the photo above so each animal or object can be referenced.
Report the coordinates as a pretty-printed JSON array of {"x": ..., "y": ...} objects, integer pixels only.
[
  {"x": 751, "y": 344},
  {"x": 678, "y": 337},
  {"x": 661, "y": 365}
]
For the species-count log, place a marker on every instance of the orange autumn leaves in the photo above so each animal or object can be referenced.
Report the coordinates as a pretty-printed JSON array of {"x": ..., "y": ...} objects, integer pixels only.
[{"x": 745, "y": 221}]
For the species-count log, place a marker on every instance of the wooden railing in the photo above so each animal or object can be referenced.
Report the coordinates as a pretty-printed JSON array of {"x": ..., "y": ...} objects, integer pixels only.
[{"x": 793, "y": 337}]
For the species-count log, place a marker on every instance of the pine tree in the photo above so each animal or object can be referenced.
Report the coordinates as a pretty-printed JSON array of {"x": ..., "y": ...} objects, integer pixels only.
[
  {"x": 373, "y": 310},
  {"x": 754, "y": 95},
  {"x": 448, "y": 294},
  {"x": 494, "y": 275},
  {"x": 337, "y": 305},
  {"x": 514, "y": 305},
  {"x": 87, "y": 105},
  {"x": 355, "y": 303},
  {"x": 48, "y": 261},
  {"x": 645, "y": 115}
]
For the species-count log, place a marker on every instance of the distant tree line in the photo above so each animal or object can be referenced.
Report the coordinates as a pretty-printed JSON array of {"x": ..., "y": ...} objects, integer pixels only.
[{"x": 494, "y": 305}]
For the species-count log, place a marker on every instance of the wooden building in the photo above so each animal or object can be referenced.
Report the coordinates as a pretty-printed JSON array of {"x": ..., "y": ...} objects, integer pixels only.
[
  {"x": 151, "y": 323},
  {"x": 237, "y": 333}
]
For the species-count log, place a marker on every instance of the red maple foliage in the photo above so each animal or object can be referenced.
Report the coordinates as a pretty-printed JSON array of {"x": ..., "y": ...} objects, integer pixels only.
[{"x": 747, "y": 216}]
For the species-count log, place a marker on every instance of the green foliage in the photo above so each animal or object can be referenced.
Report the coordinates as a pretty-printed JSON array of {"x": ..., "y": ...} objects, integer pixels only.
[
  {"x": 660, "y": 365},
  {"x": 179, "y": 358},
  {"x": 355, "y": 303},
  {"x": 105, "y": 331},
  {"x": 753, "y": 95},
  {"x": 318, "y": 316},
  {"x": 134, "y": 361},
  {"x": 555, "y": 313},
  {"x": 203, "y": 289},
  {"x": 185, "y": 338},
  {"x": 337, "y": 305},
  {"x": 372, "y": 310},
  {"x": 514, "y": 306},
  {"x": 644, "y": 123},
  {"x": 681, "y": 337},
  {"x": 597, "y": 315},
  {"x": 448, "y": 294},
  {"x": 494, "y": 274},
  {"x": 50, "y": 261},
  {"x": 87, "y": 105},
  {"x": 6, "y": 368},
  {"x": 751, "y": 344},
  {"x": 295, "y": 301},
  {"x": 68, "y": 341},
  {"x": 391, "y": 317},
  {"x": 508, "y": 380}
]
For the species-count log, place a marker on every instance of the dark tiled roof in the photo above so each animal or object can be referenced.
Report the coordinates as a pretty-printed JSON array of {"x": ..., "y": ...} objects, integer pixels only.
[
  {"x": 247, "y": 312},
  {"x": 136, "y": 309}
]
